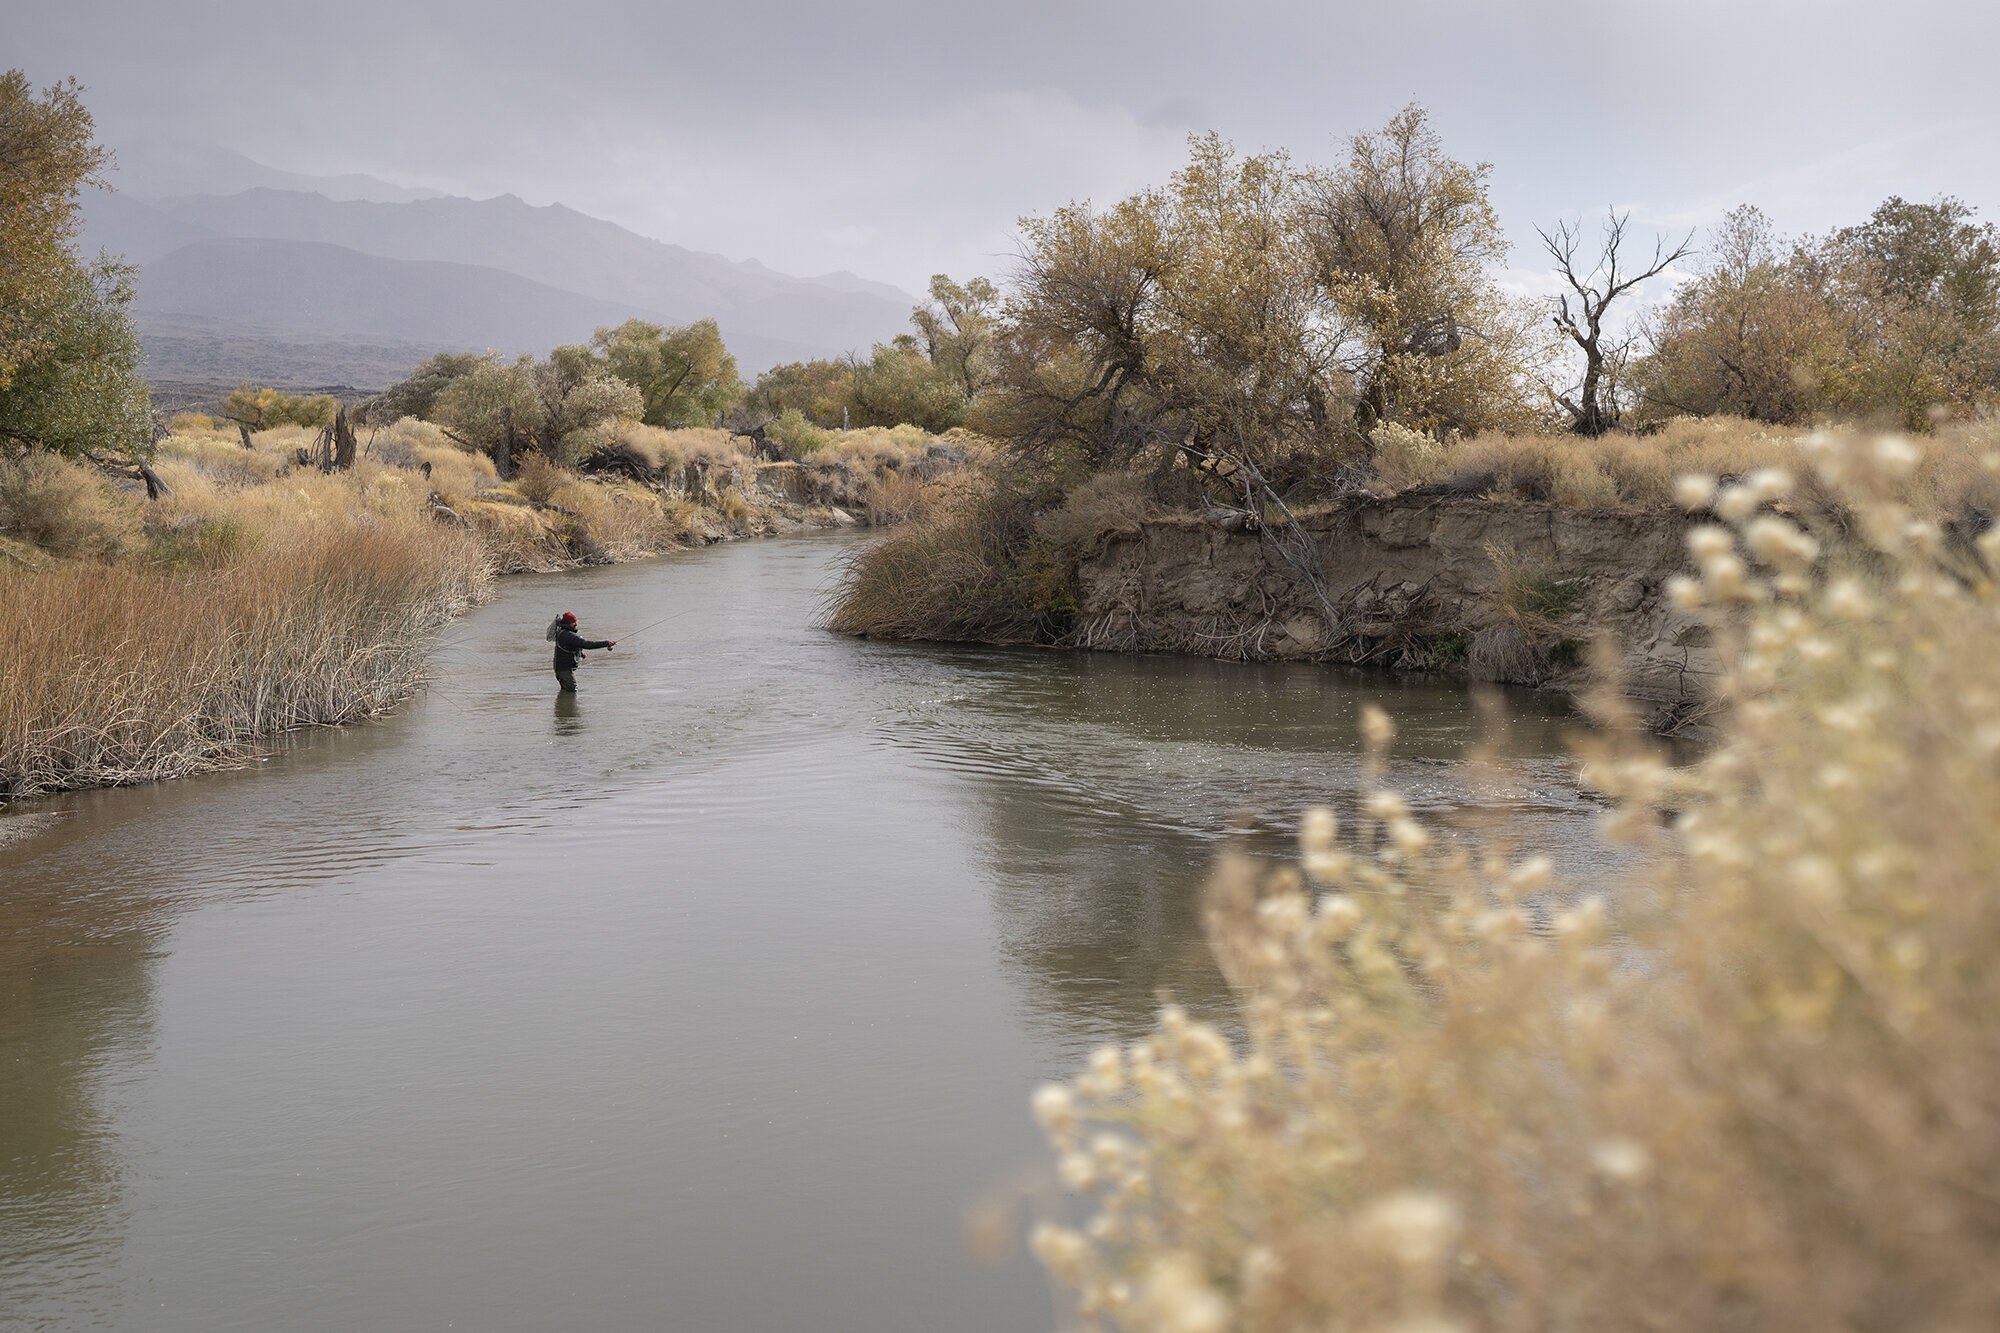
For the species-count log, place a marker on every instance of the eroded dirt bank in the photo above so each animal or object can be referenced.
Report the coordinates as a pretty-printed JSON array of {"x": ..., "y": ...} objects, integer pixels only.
[{"x": 1498, "y": 591}]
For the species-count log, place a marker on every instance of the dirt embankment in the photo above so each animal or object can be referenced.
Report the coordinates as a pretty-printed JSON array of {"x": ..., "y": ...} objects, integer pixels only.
[{"x": 1497, "y": 591}]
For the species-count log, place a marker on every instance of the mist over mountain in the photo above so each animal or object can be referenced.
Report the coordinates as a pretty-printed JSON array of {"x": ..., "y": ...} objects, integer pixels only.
[
  {"x": 341, "y": 316},
  {"x": 350, "y": 286},
  {"x": 154, "y": 167}
]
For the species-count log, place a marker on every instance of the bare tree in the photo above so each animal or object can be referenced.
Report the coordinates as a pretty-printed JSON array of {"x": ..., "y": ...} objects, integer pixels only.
[{"x": 1594, "y": 410}]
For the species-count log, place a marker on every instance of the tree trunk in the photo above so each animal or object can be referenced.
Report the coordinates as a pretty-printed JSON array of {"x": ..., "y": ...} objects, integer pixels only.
[
  {"x": 155, "y": 488},
  {"x": 503, "y": 452},
  {"x": 244, "y": 431},
  {"x": 343, "y": 442}
]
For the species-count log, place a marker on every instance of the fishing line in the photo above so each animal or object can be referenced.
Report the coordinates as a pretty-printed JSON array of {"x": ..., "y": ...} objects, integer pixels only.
[{"x": 656, "y": 624}]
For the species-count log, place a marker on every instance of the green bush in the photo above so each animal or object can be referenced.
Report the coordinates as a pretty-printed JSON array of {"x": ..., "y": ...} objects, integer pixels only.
[{"x": 800, "y": 437}]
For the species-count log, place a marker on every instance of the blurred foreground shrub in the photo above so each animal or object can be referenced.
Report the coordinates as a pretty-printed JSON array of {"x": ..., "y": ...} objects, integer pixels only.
[{"x": 1760, "y": 1091}]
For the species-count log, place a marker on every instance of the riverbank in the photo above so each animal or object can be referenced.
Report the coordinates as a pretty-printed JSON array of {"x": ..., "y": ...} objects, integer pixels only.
[
  {"x": 254, "y": 593},
  {"x": 1500, "y": 559}
]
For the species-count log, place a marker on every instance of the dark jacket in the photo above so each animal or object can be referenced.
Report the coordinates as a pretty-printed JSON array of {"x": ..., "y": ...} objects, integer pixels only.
[{"x": 569, "y": 643}]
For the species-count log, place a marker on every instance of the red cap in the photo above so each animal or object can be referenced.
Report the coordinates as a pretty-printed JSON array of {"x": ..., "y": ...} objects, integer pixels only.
[{"x": 569, "y": 617}]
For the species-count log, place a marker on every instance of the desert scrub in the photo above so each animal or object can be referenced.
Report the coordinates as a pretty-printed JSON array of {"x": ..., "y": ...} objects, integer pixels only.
[
  {"x": 1641, "y": 470},
  {"x": 1759, "y": 1089}
]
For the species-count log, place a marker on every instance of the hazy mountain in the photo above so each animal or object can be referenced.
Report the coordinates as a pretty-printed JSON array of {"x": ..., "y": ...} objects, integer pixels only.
[
  {"x": 127, "y": 225},
  {"x": 307, "y": 311},
  {"x": 357, "y": 273},
  {"x": 152, "y": 168},
  {"x": 563, "y": 248}
]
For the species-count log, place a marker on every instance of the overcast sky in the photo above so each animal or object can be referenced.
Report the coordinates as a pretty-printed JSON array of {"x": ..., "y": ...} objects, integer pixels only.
[{"x": 900, "y": 139}]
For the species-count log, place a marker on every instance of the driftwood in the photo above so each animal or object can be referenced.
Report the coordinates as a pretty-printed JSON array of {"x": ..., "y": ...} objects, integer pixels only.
[
  {"x": 621, "y": 460},
  {"x": 761, "y": 444},
  {"x": 444, "y": 513},
  {"x": 131, "y": 469},
  {"x": 505, "y": 498}
]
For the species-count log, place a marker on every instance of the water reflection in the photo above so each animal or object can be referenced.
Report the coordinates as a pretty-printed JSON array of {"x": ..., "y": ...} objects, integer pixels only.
[
  {"x": 569, "y": 714},
  {"x": 76, "y": 999},
  {"x": 1102, "y": 788}
]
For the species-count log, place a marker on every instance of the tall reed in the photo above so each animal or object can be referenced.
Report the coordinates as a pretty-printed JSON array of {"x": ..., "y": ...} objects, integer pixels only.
[{"x": 128, "y": 674}]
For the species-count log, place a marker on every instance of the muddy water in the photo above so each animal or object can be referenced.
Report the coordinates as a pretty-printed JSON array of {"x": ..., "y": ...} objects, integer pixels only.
[{"x": 705, "y": 1002}]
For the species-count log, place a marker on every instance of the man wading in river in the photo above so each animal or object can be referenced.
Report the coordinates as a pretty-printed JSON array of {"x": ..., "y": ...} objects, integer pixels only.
[{"x": 569, "y": 648}]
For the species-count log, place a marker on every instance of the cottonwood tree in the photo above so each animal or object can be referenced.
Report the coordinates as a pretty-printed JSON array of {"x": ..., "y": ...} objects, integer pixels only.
[
  {"x": 573, "y": 395},
  {"x": 1933, "y": 254},
  {"x": 1183, "y": 319},
  {"x": 490, "y": 407},
  {"x": 898, "y": 384},
  {"x": 1742, "y": 335},
  {"x": 1595, "y": 409},
  {"x": 1402, "y": 235},
  {"x": 821, "y": 391},
  {"x": 68, "y": 355},
  {"x": 1893, "y": 320},
  {"x": 79, "y": 388},
  {"x": 48, "y": 152},
  {"x": 955, "y": 329},
  {"x": 417, "y": 395},
  {"x": 254, "y": 408},
  {"x": 685, "y": 376}
]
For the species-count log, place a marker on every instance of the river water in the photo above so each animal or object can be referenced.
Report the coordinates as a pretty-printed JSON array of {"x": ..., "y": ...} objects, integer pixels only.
[{"x": 708, "y": 1002}]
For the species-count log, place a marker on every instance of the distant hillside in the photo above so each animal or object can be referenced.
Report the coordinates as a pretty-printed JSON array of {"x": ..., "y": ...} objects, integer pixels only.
[
  {"x": 292, "y": 312},
  {"x": 129, "y": 226},
  {"x": 153, "y": 167},
  {"x": 248, "y": 270},
  {"x": 569, "y": 250}
]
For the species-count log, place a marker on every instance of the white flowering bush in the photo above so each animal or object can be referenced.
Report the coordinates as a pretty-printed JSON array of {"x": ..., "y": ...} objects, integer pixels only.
[{"x": 1759, "y": 1090}]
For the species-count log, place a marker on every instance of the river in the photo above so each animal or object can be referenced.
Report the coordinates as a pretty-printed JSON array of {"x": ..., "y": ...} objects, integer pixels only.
[{"x": 708, "y": 1002}]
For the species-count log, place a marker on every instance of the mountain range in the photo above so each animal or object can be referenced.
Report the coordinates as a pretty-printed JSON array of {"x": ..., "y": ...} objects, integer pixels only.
[{"x": 293, "y": 286}]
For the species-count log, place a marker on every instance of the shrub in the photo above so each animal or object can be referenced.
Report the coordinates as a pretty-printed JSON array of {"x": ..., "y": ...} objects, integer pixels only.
[
  {"x": 1402, "y": 457},
  {"x": 800, "y": 437},
  {"x": 974, "y": 569},
  {"x": 537, "y": 478},
  {"x": 1108, "y": 502},
  {"x": 1747, "y": 1092},
  {"x": 63, "y": 508}
]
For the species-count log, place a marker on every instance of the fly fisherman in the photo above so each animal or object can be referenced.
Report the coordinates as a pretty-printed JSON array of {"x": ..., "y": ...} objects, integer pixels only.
[{"x": 569, "y": 648}]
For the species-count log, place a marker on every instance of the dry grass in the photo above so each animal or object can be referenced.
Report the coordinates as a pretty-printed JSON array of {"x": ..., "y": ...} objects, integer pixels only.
[
  {"x": 130, "y": 674},
  {"x": 1760, "y": 1090},
  {"x": 975, "y": 559},
  {"x": 63, "y": 509},
  {"x": 971, "y": 568},
  {"x": 1641, "y": 470}
]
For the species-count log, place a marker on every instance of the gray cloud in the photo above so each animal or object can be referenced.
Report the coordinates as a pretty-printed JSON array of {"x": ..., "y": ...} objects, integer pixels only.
[{"x": 897, "y": 139}]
